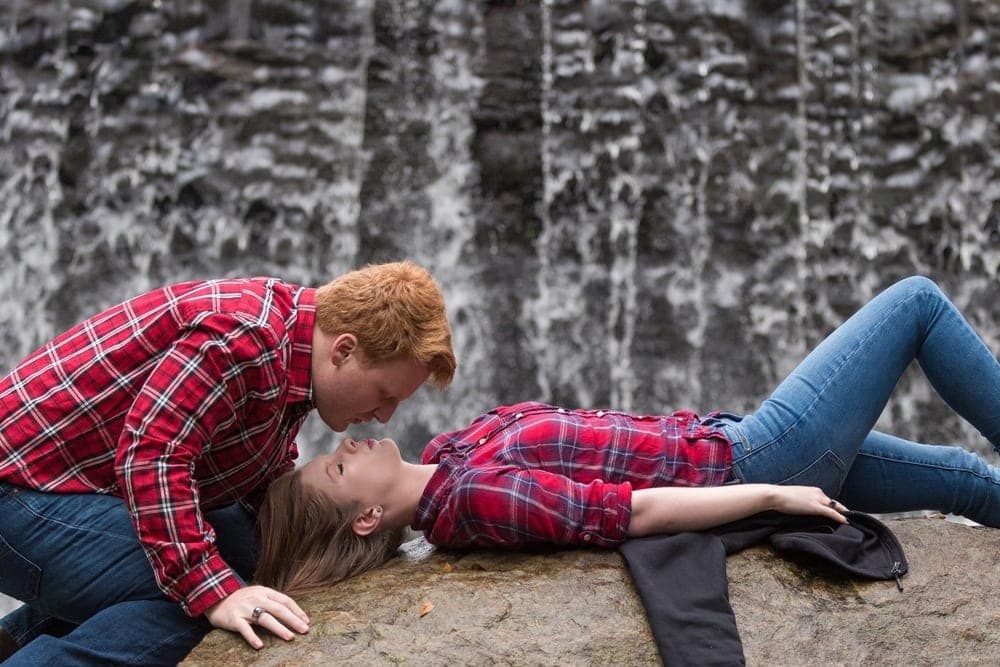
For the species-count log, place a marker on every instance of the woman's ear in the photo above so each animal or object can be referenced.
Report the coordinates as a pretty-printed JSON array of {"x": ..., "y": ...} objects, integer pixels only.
[
  {"x": 368, "y": 521},
  {"x": 343, "y": 346}
]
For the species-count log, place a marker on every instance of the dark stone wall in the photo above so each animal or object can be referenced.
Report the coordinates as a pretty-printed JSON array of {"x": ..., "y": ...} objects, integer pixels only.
[{"x": 644, "y": 204}]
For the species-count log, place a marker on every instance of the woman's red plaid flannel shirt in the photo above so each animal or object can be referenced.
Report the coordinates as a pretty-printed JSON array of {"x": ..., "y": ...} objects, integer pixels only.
[{"x": 537, "y": 474}]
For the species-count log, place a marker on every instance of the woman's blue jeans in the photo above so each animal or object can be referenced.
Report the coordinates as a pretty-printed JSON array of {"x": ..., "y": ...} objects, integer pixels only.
[
  {"x": 816, "y": 428},
  {"x": 89, "y": 592}
]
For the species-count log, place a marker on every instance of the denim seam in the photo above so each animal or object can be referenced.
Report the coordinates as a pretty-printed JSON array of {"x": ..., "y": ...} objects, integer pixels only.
[
  {"x": 837, "y": 461},
  {"x": 43, "y": 517},
  {"x": 925, "y": 464},
  {"x": 31, "y": 632},
  {"x": 154, "y": 649},
  {"x": 741, "y": 438}
]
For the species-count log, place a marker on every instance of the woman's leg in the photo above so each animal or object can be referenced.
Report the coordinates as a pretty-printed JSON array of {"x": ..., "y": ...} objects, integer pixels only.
[
  {"x": 895, "y": 475},
  {"x": 811, "y": 428}
]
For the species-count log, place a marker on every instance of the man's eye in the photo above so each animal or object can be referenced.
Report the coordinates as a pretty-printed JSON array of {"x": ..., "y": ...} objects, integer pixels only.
[{"x": 340, "y": 468}]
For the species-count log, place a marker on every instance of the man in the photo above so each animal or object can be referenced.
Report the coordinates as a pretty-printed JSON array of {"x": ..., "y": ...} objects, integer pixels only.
[{"x": 126, "y": 441}]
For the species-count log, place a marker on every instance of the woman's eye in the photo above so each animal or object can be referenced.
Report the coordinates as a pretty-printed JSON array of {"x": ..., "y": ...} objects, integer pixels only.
[{"x": 340, "y": 468}]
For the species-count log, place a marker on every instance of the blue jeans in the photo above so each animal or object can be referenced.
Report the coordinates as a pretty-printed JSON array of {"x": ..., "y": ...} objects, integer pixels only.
[
  {"x": 816, "y": 428},
  {"x": 89, "y": 592}
]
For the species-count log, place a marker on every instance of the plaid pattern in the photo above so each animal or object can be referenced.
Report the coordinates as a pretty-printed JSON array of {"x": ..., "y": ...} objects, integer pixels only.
[
  {"x": 537, "y": 474},
  {"x": 185, "y": 398}
]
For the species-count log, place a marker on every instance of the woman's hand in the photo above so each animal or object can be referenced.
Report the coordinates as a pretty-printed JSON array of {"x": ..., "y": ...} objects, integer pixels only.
[
  {"x": 807, "y": 500},
  {"x": 278, "y": 614}
]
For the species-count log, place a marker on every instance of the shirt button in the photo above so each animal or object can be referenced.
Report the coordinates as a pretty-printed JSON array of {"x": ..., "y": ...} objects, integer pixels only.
[
  {"x": 586, "y": 537},
  {"x": 600, "y": 413},
  {"x": 518, "y": 415},
  {"x": 482, "y": 441},
  {"x": 561, "y": 410}
]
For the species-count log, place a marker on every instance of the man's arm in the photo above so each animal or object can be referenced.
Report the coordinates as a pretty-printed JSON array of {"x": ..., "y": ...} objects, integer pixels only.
[
  {"x": 193, "y": 394},
  {"x": 679, "y": 509},
  {"x": 182, "y": 404}
]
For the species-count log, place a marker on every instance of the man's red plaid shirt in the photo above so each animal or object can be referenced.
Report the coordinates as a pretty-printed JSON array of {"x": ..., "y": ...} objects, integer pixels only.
[{"x": 183, "y": 399}]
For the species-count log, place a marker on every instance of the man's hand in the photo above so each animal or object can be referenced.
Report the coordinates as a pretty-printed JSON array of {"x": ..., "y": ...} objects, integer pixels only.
[{"x": 279, "y": 614}]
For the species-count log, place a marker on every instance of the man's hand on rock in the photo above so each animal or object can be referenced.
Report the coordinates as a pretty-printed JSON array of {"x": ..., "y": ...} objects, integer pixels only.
[{"x": 261, "y": 606}]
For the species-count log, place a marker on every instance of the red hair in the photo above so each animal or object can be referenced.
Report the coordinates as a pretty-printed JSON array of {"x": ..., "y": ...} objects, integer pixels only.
[{"x": 395, "y": 310}]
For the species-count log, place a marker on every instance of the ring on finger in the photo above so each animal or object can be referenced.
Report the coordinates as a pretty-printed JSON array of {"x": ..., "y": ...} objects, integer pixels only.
[
  {"x": 255, "y": 614},
  {"x": 832, "y": 503}
]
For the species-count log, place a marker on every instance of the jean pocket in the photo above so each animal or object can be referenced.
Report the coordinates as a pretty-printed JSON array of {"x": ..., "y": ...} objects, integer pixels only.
[
  {"x": 827, "y": 472},
  {"x": 19, "y": 577}
]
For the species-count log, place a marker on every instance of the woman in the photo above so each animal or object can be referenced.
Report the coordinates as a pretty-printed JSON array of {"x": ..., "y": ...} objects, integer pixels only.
[{"x": 533, "y": 473}]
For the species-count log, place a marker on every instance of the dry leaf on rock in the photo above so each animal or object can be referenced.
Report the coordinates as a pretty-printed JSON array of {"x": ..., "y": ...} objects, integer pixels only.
[{"x": 426, "y": 608}]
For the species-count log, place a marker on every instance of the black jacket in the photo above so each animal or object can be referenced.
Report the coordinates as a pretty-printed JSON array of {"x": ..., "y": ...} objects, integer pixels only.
[{"x": 682, "y": 578}]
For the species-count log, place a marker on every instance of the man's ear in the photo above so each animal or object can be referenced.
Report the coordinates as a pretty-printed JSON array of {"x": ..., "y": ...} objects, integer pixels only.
[
  {"x": 368, "y": 521},
  {"x": 343, "y": 345}
]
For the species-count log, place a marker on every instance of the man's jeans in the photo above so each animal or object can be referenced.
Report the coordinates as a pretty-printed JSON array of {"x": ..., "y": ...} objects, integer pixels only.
[
  {"x": 815, "y": 429},
  {"x": 89, "y": 592}
]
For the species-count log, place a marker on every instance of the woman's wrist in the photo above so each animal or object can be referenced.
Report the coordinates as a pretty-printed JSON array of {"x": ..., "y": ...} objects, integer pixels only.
[{"x": 772, "y": 497}]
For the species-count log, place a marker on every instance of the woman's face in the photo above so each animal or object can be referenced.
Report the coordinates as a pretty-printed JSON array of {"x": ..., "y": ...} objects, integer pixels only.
[{"x": 361, "y": 472}]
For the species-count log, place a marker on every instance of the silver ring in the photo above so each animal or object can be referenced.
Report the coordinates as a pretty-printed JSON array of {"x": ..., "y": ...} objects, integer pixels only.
[
  {"x": 832, "y": 503},
  {"x": 255, "y": 614}
]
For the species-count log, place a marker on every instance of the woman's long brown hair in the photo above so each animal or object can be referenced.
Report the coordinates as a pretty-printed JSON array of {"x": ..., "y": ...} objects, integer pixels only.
[{"x": 308, "y": 542}]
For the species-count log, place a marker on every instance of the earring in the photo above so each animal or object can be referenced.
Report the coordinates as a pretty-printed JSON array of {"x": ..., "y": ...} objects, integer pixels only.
[{"x": 378, "y": 509}]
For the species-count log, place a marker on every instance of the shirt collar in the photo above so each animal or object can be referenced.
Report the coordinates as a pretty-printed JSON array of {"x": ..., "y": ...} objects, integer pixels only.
[
  {"x": 436, "y": 492},
  {"x": 300, "y": 363}
]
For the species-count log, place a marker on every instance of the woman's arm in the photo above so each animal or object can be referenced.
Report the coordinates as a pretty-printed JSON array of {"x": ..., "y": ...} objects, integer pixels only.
[{"x": 678, "y": 509}]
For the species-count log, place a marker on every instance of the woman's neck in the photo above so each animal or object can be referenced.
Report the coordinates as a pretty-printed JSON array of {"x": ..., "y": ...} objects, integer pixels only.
[{"x": 414, "y": 479}]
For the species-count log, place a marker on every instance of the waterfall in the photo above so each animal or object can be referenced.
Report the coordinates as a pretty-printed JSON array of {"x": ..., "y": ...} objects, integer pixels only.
[{"x": 644, "y": 204}]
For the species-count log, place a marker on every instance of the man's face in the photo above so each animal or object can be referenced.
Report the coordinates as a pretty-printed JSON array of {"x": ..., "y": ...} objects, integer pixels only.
[
  {"x": 358, "y": 472},
  {"x": 354, "y": 391}
]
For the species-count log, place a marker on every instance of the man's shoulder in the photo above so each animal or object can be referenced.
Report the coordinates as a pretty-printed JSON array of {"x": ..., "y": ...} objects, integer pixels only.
[{"x": 258, "y": 298}]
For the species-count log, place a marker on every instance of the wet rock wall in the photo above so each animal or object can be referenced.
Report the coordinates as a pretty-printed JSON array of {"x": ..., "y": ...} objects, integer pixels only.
[{"x": 650, "y": 205}]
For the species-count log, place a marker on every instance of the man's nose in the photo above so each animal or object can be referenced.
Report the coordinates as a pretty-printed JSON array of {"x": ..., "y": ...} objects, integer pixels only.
[{"x": 385, "y": 411}]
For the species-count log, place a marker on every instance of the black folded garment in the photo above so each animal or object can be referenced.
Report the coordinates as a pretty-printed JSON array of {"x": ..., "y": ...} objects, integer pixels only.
[
  {"x": 865, "y": 547},
  {"x": 682, "y": 581}
]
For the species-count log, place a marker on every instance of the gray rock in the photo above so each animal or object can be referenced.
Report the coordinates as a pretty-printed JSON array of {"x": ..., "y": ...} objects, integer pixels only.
[{"x": 579, "y": 607}]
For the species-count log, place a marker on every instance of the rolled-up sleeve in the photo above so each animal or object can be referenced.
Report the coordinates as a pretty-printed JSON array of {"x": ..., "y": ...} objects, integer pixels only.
[{"x": 510, "y": 507}]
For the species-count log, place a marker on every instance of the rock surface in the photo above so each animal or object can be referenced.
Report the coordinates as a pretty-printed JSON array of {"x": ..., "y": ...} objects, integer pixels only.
[{"x": 579, "y": 607}]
